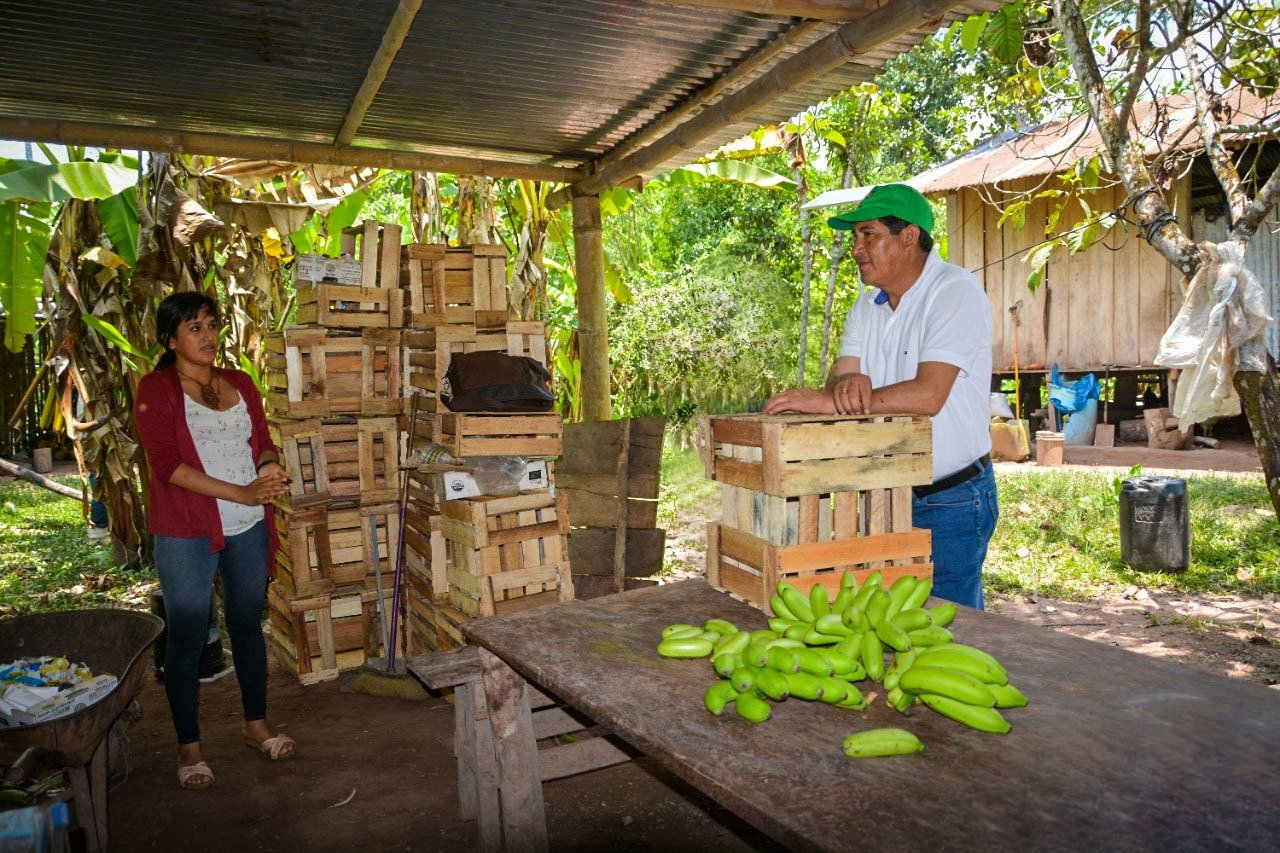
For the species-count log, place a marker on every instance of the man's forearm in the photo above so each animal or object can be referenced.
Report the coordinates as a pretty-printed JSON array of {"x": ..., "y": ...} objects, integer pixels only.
[{"x": 912, "y": 397}]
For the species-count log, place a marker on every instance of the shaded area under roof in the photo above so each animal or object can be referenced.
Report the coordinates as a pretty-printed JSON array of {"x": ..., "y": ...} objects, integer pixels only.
[{"x": 517, "y": 82}]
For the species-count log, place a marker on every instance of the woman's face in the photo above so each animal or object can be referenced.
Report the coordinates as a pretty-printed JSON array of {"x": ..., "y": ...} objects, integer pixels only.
[{"x": 196, "y": 340}]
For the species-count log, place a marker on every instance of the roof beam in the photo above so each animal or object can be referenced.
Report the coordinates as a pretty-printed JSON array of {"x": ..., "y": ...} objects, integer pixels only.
[
  {"x": 716, "y": 88},
  {"x": 257, "y": 148},
  {"x": 392, "y": 39},
  {"x": 829, "y": 53},
  {"x": 818, "y": 10}
]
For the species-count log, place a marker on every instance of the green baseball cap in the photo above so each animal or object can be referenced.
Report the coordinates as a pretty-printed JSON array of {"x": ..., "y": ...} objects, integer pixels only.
[{"x": 897, "y": 200}]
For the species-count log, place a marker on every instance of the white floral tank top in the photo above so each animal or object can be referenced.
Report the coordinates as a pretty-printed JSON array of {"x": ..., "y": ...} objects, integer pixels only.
[{"x": 222, "y": 442}]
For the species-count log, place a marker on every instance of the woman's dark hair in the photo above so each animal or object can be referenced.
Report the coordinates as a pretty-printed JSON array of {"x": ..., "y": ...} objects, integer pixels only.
[
  {"x": 176, "y": 309},
  {"x": 895, "y": 226}
]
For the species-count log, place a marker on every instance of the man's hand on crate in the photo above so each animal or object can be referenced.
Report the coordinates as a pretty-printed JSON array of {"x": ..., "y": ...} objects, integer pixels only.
[{"x": 807, "y": 401}]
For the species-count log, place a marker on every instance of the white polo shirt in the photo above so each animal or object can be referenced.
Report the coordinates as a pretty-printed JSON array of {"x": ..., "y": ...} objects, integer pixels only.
[{"x": 942, "y": 317}]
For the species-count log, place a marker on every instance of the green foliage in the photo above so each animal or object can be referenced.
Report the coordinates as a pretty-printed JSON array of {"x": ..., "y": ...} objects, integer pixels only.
[
  {"x": 730, "y": 170},
  {"x": 25, "y": 230},
  {"x": 1251, "y": 58},
  {"x": 707, "y": 334},
  {"x": 1059, "y": 535},
  {"x": 24, "y": 180},
  {"x": 46, "y": 562}
]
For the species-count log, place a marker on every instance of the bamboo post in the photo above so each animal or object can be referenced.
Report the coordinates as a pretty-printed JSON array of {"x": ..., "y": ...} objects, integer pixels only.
[{"x": 593, "y": 323}]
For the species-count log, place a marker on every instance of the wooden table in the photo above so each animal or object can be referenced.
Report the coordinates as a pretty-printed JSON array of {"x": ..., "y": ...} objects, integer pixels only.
[{"x": 1116, "y": 751}]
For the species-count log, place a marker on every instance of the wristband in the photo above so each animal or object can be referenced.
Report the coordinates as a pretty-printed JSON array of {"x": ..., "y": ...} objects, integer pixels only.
[{"x": 265, "y": 462}]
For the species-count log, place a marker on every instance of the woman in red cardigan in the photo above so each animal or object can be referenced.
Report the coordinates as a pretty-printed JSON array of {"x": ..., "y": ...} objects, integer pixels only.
[{"x": 214, "y": 474}]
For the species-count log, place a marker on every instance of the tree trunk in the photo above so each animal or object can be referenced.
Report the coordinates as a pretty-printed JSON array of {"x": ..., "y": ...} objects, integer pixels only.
[
  {"x": 426, "y": 213},
  {"x": 806, "y": 275},
  {"x": 1260, "y": 398},
  {"x": 839, "y": 248}
]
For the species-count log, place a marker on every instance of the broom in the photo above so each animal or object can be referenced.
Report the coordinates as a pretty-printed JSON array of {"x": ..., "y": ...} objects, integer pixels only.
[{"x": 379, "y": 677}]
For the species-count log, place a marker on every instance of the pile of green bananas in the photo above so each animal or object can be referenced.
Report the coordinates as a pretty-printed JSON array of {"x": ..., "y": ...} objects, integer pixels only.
[{"x": 817, "y": 649}]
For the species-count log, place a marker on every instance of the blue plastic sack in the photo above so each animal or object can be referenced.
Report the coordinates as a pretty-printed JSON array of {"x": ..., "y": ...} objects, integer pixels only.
[{"x": 1072, "y": 395}]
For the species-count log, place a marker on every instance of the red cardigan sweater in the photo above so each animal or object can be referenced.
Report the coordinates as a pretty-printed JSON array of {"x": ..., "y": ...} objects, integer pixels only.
[{"x": 161, "y": 418}]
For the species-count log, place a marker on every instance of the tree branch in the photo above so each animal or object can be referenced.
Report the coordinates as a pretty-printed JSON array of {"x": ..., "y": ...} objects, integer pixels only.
[
  {"x": 1128, "y": 159},
  {"x": 1143, "y": 28},
  {"x": 1206, "y": 105},
  {"x": 1257, "y": 210}
]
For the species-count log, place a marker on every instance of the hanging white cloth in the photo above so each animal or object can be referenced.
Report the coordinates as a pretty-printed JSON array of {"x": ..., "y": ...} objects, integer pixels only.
[{"x": 1217, "y": 331}]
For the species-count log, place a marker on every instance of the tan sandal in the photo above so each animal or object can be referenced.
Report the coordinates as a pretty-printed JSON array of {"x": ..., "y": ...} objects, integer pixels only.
[
  {"x": 276, "y": 748},
  {"x": 195, "y": 777}
]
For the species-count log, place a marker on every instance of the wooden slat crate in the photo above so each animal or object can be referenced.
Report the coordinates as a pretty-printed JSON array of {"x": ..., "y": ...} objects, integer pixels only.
[
  {"x": 317, "y": 637},
  {"x": 328, "y": 548},
  {"x": 427, "y": 352},
  {"x": 500, "y": 433},
  {"x": 455, "y": 285},
  {"x": 344, "y": 306},
  {"x": 792, "y": 455},
  {"x": 336, "y": 460},
  {"x": 377, "y": 246},
  {"x": 816, "y": 518},
  {"x": 750, "y": 567},
  {"x": 434, "y": 624},
  {"x": 424, "y": 542},
  {"x": 316, "y": 372},
  {"x": 505, "y": 554}
]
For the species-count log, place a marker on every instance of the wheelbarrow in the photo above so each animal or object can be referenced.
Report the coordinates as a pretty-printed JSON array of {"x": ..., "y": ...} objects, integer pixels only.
[{"x": 107, "y": 641}]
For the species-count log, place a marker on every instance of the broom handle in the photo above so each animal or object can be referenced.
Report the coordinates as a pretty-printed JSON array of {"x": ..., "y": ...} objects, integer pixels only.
[{"x": 404, "y": 500}]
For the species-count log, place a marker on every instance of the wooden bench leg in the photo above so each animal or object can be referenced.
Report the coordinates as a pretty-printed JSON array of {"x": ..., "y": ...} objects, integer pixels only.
[
  {"x": 478, "y": 796},
  {"x": 524, "y": 823}
]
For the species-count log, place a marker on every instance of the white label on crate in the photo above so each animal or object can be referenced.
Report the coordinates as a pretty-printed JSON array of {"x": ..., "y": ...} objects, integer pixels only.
[{"x": 319, "y": 268}]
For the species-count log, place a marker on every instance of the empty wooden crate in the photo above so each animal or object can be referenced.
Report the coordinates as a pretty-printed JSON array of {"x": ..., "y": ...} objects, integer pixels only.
[
  {"x": 325, "y": 548},
  {"x": 455, "y": 285},
  {"x": 315, "y": 372},
  {"x": 500, "y": 433},
  {"x": 316, "y": 637},
  {"x": 808, "y": 454},
  {"x": 341, "y": 459}
]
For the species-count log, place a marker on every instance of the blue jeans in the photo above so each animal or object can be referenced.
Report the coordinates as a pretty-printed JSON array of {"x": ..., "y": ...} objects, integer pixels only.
[
  {"x": 961, "y": 520},
  {"x": 186, "y": 570}
]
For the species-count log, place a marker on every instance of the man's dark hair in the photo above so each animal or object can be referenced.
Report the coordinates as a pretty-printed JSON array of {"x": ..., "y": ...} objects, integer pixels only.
[{"x": 895, "y": 226}]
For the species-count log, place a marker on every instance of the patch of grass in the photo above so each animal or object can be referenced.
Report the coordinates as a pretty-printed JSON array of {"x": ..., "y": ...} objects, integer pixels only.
[
  {"x": 46, "y": 561},
  {"x": 687, "y": 500},
  {"x": 1059, "y": 535}
]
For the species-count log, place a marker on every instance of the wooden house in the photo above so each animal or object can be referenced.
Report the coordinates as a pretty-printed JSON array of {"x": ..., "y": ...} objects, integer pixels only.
[{"x": 1104, "y": 309}]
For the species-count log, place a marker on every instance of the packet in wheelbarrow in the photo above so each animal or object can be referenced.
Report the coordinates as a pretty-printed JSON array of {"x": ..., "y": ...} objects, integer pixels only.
[{"x": 37, "y": 690}]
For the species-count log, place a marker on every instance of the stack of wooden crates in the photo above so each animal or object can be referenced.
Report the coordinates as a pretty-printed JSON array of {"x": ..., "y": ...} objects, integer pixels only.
[
  {"x": 806, "y": 497},
  {"x": 481, "y": 555},
  {"x": 334, "y": 397}
]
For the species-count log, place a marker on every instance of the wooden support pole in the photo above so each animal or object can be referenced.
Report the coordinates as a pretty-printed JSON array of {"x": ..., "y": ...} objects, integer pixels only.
[
  {"x": 259, "y": 148},
  {"x": 819, "y": 10},
  {"x": 392, "y": 39},
  {"x": 593, "y": 319},
  {"x": 851, "y": 40},
  {"x": 620, "y": 531}
]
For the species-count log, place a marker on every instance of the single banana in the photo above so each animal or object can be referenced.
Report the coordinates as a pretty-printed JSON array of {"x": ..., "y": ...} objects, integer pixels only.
[
  {"x": 930, "y": 636},
  {"x": 943, "y": 656},
  {"x": 834, "y": 690},
  {"x": 726, "y": 663},
  {"x": 773, "y": 684},
  {"x": 877, "y": 607},
  {"x": 734, "y": 643},
  {"x": 751, "y": 707},
  {"x": 680, "y": 629},
  {"x": 973, "y": 716},
  {"x": 819, "y": 603},
  {"x": 898, "y": 594},
  {"x": 717, "y": 696},
  {"x": 780, "y": 608},
  {"x": 943, "y": 614},
  {"x": 893, "y": 636},
  {"x": 832, "y": 624},
  {"x": 1008, "y": 696},
  {"x": 784, "y": 660},
  {"x": 795, "y": 602},
  {"x": 976, "y": 654},
  {"x": 877, "y": 743},
  {"x": 814, "y": 663},
  {"x": 912, "y": 619},
  {"x": 721, "y": 626},
  {"x": 873, "y": 656},
  {"x": 802, "y": 685},
  {"x": 919, "y": 595},
  {"x": 923, "y": 678},
  {"x": 744, "y": 679},
  {"x": 685, "y": 647}
]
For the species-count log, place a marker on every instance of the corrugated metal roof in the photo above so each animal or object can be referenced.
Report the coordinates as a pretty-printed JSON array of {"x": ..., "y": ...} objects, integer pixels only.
[
  {"x": 553, "y": 83},
  {"x": 1057, "y": 146}
]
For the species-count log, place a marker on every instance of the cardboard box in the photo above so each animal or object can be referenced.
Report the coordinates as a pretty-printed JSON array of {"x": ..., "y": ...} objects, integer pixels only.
[
  {"x": 453, "y": 485},
  {"x": 28, "y": 706},
  {"x": 319, "y": 268}
]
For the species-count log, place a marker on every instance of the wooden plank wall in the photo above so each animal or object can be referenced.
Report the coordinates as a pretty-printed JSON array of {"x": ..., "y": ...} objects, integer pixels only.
[
  {"x": 1105, "y": 306},
  {"x": 1262, "y": 258}
]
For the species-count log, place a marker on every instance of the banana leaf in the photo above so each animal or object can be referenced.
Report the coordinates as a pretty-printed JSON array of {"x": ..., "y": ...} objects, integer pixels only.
[
  {"x": 24, "y": 243},
  {"x": 24, "y": 180}
]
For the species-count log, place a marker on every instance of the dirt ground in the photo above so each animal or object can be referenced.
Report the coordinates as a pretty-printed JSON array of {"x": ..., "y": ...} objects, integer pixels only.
[{"x": 379, "y": 773}]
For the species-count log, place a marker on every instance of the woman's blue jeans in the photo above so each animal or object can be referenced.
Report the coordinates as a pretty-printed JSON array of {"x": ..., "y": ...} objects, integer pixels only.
[
  {"x": 961, "y": 519},
  {"x": 186, "y": 570}
]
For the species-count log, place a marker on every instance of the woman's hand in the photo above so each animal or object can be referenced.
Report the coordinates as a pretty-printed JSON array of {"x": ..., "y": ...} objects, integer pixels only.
[
  {"x": 851, "y": 393},
  {"x": 263, "y": 490},
  {"x": 274, "y": 469}
]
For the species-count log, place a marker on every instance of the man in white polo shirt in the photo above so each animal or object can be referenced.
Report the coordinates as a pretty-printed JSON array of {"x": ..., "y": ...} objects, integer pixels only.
[{"x": 920, "y": 345}]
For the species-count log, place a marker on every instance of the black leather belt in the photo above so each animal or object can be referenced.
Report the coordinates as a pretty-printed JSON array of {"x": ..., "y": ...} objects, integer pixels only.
[{"x": 964, "y": 475}]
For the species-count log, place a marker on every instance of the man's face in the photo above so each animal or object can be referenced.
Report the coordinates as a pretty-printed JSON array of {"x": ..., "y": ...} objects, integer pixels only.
[{"x": 882, "y": 256}]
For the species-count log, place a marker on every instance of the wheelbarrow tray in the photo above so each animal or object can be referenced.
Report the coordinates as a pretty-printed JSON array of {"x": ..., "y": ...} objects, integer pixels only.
[{"x": 107, "y": 641}]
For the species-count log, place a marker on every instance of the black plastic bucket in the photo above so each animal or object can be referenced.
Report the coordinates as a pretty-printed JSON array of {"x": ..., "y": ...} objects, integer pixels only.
[
  {"x": 212, "y": 661},
  {"x": 1155, "y": 524}
]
